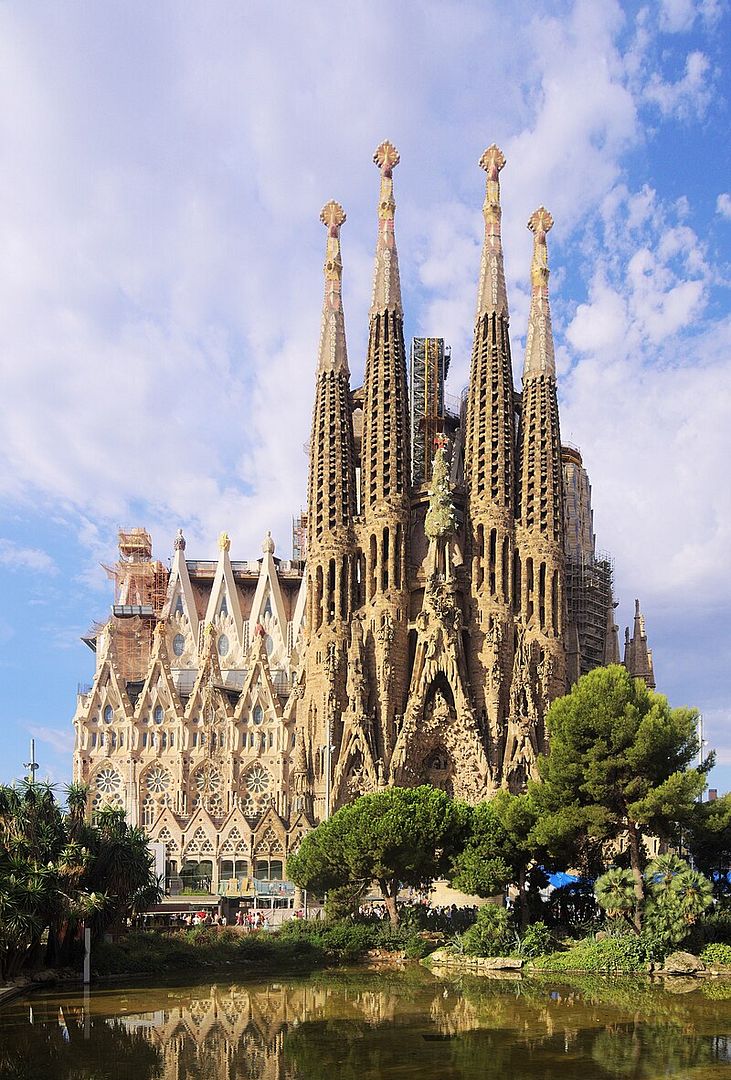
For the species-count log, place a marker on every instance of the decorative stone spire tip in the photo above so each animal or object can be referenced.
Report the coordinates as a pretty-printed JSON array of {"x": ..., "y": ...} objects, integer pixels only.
[
  {"x": 492, "y": 161},
  {"x": 386, "y": 157},
  {"x": 540, "y": 222},
  {"x": 332, "y": 215},
  {"x": 224, "y": 542}
]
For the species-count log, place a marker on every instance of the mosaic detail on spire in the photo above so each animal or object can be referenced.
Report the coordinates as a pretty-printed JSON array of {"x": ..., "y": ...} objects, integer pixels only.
[
  {"x": 386, "y": 294},
  {"x": 539, "y": 353},
  {"x": 492, "y": 295}
]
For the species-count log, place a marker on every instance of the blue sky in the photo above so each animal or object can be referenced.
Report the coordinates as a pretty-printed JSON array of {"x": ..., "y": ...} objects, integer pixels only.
[{"x": 160, "y": 284}]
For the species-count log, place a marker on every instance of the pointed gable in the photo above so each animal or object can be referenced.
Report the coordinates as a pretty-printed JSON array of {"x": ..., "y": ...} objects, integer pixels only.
[{"x": 224, "y": 608}]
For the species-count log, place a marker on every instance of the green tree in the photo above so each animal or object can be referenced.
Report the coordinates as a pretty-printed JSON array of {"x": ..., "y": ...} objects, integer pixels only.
[
  {"x": 59, "y": 872},
  {"x": 500, "y": 849},
  {"x": 618, "y": 767},
  {"x": 397, "y": 837},
  {"x": 708, "y": 838}
]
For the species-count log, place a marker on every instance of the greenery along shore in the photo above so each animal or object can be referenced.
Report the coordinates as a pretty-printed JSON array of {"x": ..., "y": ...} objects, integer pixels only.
[{"x": 619, "y": 781}]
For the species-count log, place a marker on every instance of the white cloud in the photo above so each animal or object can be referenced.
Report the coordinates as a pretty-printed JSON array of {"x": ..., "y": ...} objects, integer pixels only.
[
  {"x": 15, "y": 557},
  {"x": 687, "y": 97},
  {"x": 723, "y": 205},
  {"x": 62, "y": 740}
]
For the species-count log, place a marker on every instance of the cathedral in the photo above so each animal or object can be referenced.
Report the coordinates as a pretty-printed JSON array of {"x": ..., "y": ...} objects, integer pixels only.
[{"x": 447, "y": 591}]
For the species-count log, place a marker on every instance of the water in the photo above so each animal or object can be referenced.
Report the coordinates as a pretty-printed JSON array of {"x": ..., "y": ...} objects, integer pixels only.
[{"x": 362, "y": 1025}]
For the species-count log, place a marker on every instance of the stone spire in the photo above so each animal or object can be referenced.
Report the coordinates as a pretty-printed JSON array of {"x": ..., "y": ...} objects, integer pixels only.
[
  {"x": 539, "y": 571},
  {"x": 490, "y": 424},
  {"x": 386, "y": 282},
  {"x": 637, "y": 655},
  {"x": 490, "y": 474},
  {"x": 333, "y": 354},
  {"x": 539, "y": 356},
  {"x": 540, "y": 506},
  {"x": 385, "y": 470},
  {"x": 331, "y": 502},
  {"x": 492, "y": 297}
]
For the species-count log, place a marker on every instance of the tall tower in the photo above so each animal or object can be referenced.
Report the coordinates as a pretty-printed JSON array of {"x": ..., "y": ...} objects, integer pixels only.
[
  {"x": 385, "y": 476},
  {"x": 489, "y": 478},
  {"x": 539, "y": 668},
  {"x": 330, "y": 534},
  {"x": 637, "y": 654}
]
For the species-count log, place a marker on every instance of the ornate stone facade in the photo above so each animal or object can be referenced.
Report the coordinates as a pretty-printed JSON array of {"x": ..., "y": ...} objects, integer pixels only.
[{"x": 235, "y": 703}]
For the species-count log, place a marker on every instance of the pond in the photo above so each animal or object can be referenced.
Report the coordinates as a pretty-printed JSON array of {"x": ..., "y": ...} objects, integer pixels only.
[{"x": 372, "y": 1024}]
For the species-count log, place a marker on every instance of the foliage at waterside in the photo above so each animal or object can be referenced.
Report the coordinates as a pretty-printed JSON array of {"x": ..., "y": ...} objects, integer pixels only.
[
  {"x": 675, "y": 898},
  {"x": 619, "y": 769},
  {"x": 397, "y": 837},
  {"x": 59, "y": 872}
]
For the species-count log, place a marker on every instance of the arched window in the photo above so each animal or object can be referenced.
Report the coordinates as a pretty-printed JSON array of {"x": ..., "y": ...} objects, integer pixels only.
[
  {"x": 158, "y": 715},
  {"x": 178, "y": 609},
  {"x": 108, "y": 714},
  {"x": 223, "y": 645},
  {"x": 178, "y": 644},
  {"x": 257, "y": 714}
]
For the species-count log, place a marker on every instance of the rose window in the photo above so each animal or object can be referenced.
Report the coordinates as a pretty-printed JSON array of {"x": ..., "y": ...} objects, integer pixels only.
[
  {"x": 108, "y": 781},
  {"x": 207, "y": 781},
  {"x": 257, "y": 779},
  {"x": 158, "y": 780}
]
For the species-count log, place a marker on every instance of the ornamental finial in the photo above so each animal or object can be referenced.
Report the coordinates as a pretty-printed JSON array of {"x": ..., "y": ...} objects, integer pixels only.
[
  {"x": 224, "y": 542},
  {"x": 540, "y": 222},
  {"x": 179, "y": 544},
  {"x": 492, "y": 161},
  {"x": 332, "y": 215},
  {"x": 268, "y": 546},
  {"x": 387, "y": 157}
]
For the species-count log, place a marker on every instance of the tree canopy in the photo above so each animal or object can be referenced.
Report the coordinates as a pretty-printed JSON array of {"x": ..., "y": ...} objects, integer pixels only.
[
  {"x": 500, "y": 848},
  {"x": 58, "y": 872},
  {"x": 396, "y": 837},
  {"x": 619, "y": 767}
]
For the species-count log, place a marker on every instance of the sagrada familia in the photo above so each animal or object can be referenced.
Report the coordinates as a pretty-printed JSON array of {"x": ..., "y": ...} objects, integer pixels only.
[{"x": 451, "y": 591}]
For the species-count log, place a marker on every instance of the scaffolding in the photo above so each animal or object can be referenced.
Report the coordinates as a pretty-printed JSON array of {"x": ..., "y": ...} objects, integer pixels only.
[
  {"x": 140, "y": 592},
  {"x": 428, "y": 371},
  {"x": 590, "y": 601},
  {"x": 299, "y": 537}
]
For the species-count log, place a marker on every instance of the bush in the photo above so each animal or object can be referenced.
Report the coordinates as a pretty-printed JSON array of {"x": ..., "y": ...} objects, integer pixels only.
[
  {"x": 614, "y": 955},
  {"x": 717, "y": 955},
  {"x": 537, "y": 940},
  {"x": 491, "y": 934},
  {"x": 716, "y": 927}
]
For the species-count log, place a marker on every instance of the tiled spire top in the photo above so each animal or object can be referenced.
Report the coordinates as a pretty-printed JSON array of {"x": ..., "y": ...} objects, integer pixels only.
[
  {"x": 539, "y": 355},
  {"x": 386, "y": 282},
  {"x": 333, "y": 354},
  {"x": 492, "y": 297}
]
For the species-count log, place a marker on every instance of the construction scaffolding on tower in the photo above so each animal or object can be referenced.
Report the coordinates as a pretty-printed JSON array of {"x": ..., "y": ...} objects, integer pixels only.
[
  {"x": 590, "y": 603},
  {"x": 140, "y": 592},
  {"x": 428, "y": 371},
  {"x": 299, "y": 537}
]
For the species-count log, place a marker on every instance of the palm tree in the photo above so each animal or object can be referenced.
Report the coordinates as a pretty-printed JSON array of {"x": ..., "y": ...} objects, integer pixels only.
[{"x": 615, "y": 892}]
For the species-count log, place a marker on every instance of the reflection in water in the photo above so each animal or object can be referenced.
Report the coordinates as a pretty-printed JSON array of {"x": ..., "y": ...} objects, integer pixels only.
[{"x": 367, "y": 1025}]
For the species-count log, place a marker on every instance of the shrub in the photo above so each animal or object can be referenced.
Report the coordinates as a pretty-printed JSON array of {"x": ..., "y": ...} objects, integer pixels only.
[
  {"x": 537, "y": 940},
  {"x": 716, "y": 926},
  {"x": 717, "y": 955},
  {"x": 614, "y": 955},
  {"x": 491, "y": 934}
]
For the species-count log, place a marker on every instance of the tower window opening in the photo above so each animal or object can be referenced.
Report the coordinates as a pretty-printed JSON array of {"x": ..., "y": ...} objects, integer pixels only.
[
  {"x": 492, "y": 559},
  {"x": 542, "y": 595},
  {"x": 385, "y": 553}
]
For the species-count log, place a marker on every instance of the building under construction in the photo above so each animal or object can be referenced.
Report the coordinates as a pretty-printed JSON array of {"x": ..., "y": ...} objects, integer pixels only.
[
  {"x": 140, "y": 591},
  {"x": 428, "y": 371},
  {"x": 589, "y": 576}
]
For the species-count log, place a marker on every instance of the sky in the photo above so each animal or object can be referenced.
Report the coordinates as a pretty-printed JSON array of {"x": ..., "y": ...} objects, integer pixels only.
[{"x": 163, "y": 170}]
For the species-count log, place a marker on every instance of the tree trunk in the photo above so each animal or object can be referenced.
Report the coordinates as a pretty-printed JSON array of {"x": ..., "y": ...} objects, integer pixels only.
[
  {"x": 389, "y": 891},
  {"x": 634, "y": 856}
]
